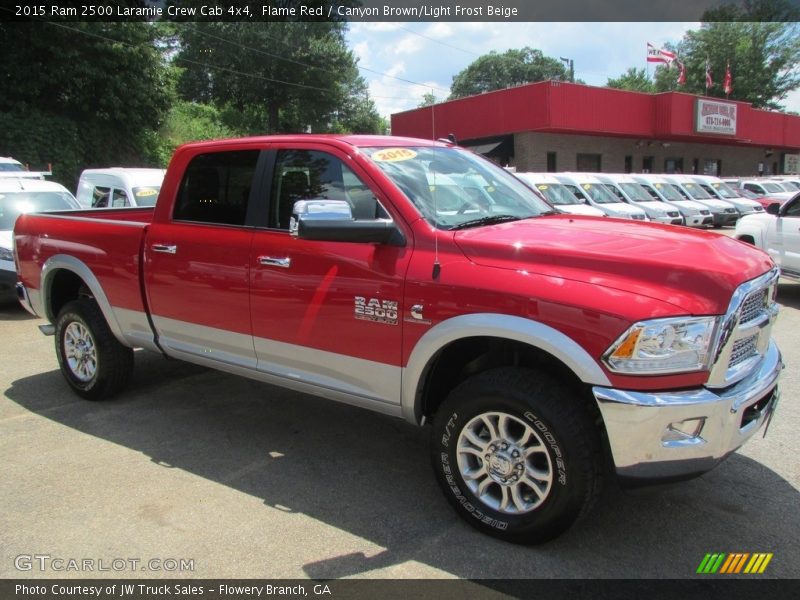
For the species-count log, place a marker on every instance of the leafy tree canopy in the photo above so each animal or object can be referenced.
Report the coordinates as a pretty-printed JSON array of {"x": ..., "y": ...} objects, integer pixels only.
[
  {"x": 285, "y": 76},
  {"x": 495, "y": 71},
  {"x": 633, "y": 79}
]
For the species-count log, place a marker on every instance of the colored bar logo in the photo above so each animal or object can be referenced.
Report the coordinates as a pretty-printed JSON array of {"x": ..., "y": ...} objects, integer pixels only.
[{"x": 737, "y": 562}]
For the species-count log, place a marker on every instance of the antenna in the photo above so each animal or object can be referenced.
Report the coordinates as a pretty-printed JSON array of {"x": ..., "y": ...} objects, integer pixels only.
[{"x": 437, "y": 268}]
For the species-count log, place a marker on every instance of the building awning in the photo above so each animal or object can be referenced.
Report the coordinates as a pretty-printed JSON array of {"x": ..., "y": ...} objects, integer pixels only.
[{"x": 483, "y": 148}]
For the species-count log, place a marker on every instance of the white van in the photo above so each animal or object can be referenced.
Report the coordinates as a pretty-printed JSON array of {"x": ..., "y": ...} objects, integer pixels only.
[
  {"x": 721, "y": 190},
  {"x": 558, "y": 195},
  {"x": 119, "y": 187},
  {"x": 724, "y": 213},
  {"x": 629, "y": 190},
  {"x": 589, "y": 188},
  {"x": 694, "y": 213}
]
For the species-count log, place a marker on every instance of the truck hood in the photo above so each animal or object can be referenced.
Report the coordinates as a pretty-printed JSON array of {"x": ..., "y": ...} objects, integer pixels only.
[
  {"x": 620, "y": 208},
  {"x": 580, "y": 209},
  {"x": 693, "y": 270},
  {"x": 5, "y": 238}
]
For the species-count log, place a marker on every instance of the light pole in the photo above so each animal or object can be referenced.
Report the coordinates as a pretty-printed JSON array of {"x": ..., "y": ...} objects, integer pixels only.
[{"x": 571, "y": 64}]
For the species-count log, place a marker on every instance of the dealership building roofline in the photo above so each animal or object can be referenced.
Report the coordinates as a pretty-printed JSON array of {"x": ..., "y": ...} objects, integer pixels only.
[{"x": 523, "y": 125}]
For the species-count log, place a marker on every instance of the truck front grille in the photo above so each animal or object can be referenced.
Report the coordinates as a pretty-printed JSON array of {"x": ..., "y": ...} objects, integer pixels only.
[
  {"x": 754, "y": 306},
  {"x": 745, "y": 330},
  {"x": 742, "y": 350}
]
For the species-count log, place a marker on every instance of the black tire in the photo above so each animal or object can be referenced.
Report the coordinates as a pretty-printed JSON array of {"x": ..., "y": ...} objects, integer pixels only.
[
  {"x": 568, "y": 444},
  {"x": 111, "y": 369}
]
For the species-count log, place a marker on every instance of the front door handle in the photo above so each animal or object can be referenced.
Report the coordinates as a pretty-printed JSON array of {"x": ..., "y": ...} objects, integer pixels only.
[
  {"x": 164, "y": 248},
  {"x": 270, "y": 261}
]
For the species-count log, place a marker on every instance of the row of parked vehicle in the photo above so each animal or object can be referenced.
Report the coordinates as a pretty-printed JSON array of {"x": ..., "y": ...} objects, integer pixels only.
[
  {"x": 24, "y": 191},
  {"x": 692, "y": 200}
]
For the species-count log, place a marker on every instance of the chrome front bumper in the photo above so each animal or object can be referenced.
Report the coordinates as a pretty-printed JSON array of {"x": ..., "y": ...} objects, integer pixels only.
[{"x": 664, "y": 435}]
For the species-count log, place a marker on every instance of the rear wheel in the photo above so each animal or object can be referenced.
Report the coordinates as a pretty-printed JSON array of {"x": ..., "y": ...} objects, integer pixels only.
[
  {"x": 91, "y": 359},
  {"x": 515, "y": 455}
]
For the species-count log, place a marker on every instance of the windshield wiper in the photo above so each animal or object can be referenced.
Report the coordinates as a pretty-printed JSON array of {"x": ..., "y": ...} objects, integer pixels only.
[{"x": 488, "y": 220}]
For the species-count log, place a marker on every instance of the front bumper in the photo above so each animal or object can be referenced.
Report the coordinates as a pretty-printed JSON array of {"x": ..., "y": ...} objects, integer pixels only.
[
  {"x": 642, "y": 433},
  {"x": 724, "y": 218}
]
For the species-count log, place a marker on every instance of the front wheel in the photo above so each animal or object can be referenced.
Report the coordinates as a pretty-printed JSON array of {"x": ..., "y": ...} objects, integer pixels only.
[
  {"x": 91, "y": 359},
  {"x": 516, "y": 455}
]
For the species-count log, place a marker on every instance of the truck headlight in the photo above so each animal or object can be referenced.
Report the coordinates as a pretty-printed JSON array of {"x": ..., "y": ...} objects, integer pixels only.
[{"x": 662, "y": 346}]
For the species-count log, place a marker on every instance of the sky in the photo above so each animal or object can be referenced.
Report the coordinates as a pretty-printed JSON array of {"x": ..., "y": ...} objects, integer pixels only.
[{"x": 429, "y": 54}]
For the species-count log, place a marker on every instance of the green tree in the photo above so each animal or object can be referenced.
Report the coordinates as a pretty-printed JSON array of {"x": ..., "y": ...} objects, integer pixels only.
[
  {"x": 277, "y": 76},
  {"x": 763, "y": 57},
  {"x": 428, "y": 99},
  {"x": 633, "y": 79},
  {"x": 495, "y": 71},
  {"x": 107, "y": 81}
]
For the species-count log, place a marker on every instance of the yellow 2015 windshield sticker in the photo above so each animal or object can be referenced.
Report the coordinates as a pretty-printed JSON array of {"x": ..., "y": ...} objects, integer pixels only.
[
  {"x": 393, "y": 155},
  {"x": 146, "y": 192}
]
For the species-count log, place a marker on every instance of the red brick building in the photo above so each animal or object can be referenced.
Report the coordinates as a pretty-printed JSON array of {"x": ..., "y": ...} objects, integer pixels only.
[{"x": 557, "y": 126}]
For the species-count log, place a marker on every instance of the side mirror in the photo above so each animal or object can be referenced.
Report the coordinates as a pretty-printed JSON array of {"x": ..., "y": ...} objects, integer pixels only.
[
  {"x": 774, "y": 209},
  {"x": 332, "y": 221}
]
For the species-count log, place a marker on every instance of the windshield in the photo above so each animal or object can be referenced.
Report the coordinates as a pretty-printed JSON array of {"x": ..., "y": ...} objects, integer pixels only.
[
  {"x": 636, "y": 192},
  {"x": 668, "y": 191},
  {"x": 14, "y": 204},
  {"x": 789, "y": 186},
  {"x": 773, "y": 187},
  {"x": 146, "y": 196},
  {"x": 557, "y": 194},
  {"x": 696, "y": 191},
  {"x": 453, "y": 188},
  {"x": 599, "y": 193},
  {"x": 11, "y": 167},
  {"x": 724, "y": 190}
]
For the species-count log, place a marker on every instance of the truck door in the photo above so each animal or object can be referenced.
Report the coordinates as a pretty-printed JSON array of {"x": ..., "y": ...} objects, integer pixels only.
[
  {"x": 197, "y": 262},
  {"x": 785, "y": 246},
  {"x": 326, "y": 313}
]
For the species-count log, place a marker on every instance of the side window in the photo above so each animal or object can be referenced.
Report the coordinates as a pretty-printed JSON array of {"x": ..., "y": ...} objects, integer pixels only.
[
  {"x": 119, "y": 198},
  {"x": 753, "y": 188},
  {"x": 793, "y": 209},
  {"x": 216, "y": 188},
  {"x": 100, "y": 197},
  {"x": 616, "y": 191},
  {"x": 310, "y": 174}
]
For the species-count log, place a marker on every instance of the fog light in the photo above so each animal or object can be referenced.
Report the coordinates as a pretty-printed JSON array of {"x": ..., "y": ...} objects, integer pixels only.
[{"x": 684, "y": 431}]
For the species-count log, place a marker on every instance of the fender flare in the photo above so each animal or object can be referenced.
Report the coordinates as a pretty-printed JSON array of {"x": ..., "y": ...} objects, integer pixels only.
[
  {"x": 520, "y": 329},
  {"x": 59, "y": 262}
]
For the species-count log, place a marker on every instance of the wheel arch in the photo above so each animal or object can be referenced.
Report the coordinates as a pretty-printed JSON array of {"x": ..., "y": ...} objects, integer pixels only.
[
  {"x": 463, "y": 342},
  {"x": 62, "y": 278}
]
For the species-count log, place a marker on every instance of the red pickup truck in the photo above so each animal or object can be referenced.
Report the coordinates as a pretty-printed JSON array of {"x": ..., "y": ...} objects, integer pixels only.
[{"x": 419, "y": 280}]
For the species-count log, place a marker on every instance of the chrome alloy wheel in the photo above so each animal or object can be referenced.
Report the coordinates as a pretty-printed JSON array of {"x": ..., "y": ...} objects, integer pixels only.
[
  {"x": 504, "y": 462},
  {"x": 80, "y": 352}
]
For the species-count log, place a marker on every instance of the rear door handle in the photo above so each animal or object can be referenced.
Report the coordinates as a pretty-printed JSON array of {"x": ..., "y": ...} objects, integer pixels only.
[
  {"x": 164, "y": 248},
  {"x": 270, "y": 261}
]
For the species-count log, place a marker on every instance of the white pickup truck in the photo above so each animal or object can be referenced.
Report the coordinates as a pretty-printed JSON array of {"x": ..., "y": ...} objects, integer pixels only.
[{"x": 777, "y": 232}]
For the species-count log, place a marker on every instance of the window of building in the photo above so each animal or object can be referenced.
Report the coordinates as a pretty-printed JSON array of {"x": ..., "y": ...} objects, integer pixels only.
[
  {"x": 551, "y": 162},
  {"x": 673, "y": 165},
  {"x": 710, "y": 167},
  {"x": 647, "y": 164},
  {"x": 309, "y": 174},
  {"x": 588, "y": 163},
  {"x": 629, "y": 164},
  {"x": 216, "y": 188}
]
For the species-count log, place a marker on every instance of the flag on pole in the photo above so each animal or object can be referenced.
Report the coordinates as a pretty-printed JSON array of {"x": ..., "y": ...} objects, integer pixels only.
[
  {"x": 681, "y": 73},
  {"x": 709, "y": 80},
  {"x": 658, "y": 55},
  {"x": 727, "y": 86}
]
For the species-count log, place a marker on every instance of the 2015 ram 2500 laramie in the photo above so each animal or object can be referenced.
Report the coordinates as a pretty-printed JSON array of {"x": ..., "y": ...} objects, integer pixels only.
[{"x": 417, "y": 279}]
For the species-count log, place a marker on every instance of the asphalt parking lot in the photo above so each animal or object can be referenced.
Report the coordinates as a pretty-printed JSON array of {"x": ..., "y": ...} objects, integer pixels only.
[{"x": 252, "y": 481}]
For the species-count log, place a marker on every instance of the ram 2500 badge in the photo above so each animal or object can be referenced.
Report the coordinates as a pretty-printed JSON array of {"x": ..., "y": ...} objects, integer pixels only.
[{"x": 419, "y": 280}]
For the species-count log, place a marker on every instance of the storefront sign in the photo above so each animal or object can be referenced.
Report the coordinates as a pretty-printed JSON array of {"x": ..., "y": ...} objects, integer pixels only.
[{"x": 712, "y": 116}]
